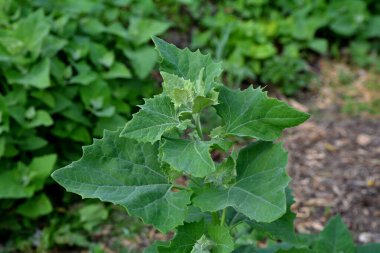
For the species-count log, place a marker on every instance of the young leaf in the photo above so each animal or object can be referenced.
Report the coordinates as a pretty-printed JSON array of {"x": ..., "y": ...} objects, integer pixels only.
[
  {"x": 180, "y": 91},
  {"x": 156, "y": 117},
  {"x": 259, "y": 191},
  {"x": 189, "y": 156},
  {"x": 335, "y": 238},
  {"x": 188, "y": 65},
  {"x": 125, "y": 172},
  {"x": 251, "y": 113}
]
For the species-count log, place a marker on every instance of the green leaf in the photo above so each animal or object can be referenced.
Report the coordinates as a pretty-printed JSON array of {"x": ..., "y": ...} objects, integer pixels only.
[
  {"x": 37, "y": 76},
  {"x": 32, "y": 143},
  {"x": 187, "y": 64},
  {"x": 263, "y": 51},
  {"x": 2, "y": 146},
  {"x": 23, "y": 181},
  {"x": 125, "y": 172},
  {"x": 118, "y": 70},
  {"x": 41, "y": 118},
  {"x": 319, "y": 45},
  {"x": 223, "y": 242},
  {"x": 191, "y": 234},
  {"x": 26, "y": 35},
  {"x": 35, "y": 207},
  {"x": 259, "y": 191},
  {"x": 224, "y": 174},
  {"x": 373, "y": 30},
  {"x": 368, "y": 248},
  {"x": 154, "y": 247},
  {"x": 180, "y": 91},
  {"x": 335, "y": 238},
  {"x": 156, "y": 117},
  {"x": 142, "y": 60},
  {"x": 40, "y": 169},
  {"x": 251, "y": 113},
  {"x": 295, "y": 250},
  {"x": 282, "y": 228},
  {"x": 92, "y": 26},
  {"x": 91, "y": 215},
  {"x": 201, "y": 102},
  {"x": 189, "y": 156},
  {"x": 100, "y": 55},
  {"x": 141, "y": 30}
]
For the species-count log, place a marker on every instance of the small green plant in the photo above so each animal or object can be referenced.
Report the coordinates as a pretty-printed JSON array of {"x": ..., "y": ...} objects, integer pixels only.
[{"x": 160, "y": 167}]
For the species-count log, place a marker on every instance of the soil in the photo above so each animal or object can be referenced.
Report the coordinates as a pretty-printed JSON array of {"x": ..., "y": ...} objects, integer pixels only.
[{"x": 334, "y": 160}]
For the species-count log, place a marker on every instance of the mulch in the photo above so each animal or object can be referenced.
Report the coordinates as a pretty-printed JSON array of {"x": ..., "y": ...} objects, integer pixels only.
[{"x": 334, "y": 160}]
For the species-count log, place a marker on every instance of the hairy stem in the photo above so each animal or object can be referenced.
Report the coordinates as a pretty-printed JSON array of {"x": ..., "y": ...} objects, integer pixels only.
[{"x": 198, "y": 126}]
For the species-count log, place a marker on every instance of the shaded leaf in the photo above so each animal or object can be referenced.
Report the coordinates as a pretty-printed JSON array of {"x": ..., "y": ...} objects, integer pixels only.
[{"x": 35, "y": 207}]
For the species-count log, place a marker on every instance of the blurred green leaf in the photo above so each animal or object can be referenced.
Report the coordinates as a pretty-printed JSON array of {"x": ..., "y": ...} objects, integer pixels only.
[{"x": 35, "y": 207}]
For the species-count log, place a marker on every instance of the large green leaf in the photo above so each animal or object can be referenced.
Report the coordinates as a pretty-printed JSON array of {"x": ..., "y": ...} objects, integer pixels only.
[
  {"x": 282, "y": 228},
  {"x": 189, "y": 156},
  {"x": 188, "y": 65},
  {"x": 189, "y": 237},
  {"x": 251, "y": 113},
  {"x": 125, "y": 172},
  {"x": 259, "y": 191},
  {"x": 335, "y": 238},
  {"x": 156, "y": 117}
]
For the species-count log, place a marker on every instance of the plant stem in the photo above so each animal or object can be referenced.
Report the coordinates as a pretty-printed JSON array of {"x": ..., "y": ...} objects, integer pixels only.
[
  {"x": 198, "y": 125},
  {"x": 223, "y": 217}
]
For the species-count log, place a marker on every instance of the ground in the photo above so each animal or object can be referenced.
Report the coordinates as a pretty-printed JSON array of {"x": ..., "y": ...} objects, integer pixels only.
[{"x": 335, "y": 156}]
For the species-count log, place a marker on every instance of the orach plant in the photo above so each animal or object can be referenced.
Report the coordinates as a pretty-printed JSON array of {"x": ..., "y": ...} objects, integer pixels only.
[{"x": 160, "y": 167}]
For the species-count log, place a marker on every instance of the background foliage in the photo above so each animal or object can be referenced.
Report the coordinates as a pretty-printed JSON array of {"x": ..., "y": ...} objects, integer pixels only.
[
  {"x": 275, "y": 41},
  {"x": 69, "y": 69}
]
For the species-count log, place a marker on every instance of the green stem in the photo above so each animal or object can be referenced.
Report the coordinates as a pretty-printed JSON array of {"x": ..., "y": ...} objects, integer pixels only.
[
  {"x": 198, "y": 125},
  {"x": 223, "y": 217}
]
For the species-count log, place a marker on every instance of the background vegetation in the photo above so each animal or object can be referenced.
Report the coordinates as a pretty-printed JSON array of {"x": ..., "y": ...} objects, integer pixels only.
[{"x": 69, "y": 69}]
